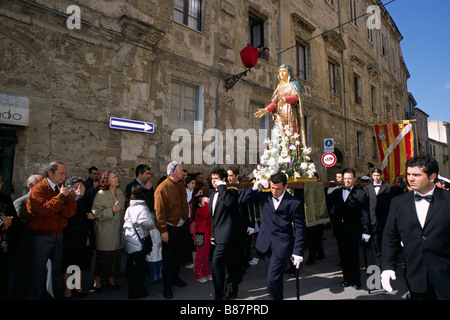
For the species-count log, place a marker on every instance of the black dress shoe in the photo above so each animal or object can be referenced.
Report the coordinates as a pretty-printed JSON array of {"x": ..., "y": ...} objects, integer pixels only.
[
  {"x": 357, "y": 285},
  {"x": 180, "y": 283},
  {"x": 168, "y": 293},
  {"x": 231, "y": 295}
]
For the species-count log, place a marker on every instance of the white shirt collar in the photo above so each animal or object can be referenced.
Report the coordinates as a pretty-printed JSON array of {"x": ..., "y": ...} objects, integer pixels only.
[
  {"x": 428, "y": 193},
  {"x": 52, "y": 185},
  {"x": 276, "y": 202}
]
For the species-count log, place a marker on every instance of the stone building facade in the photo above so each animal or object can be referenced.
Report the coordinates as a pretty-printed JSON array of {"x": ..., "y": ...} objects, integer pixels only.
[
  {"x": 158, "y": 62},
  {"x": 421, "y": 126},
  {"x": 438, "y": 144}
]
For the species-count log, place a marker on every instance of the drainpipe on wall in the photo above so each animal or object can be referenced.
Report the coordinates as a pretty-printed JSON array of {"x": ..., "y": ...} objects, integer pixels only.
[
  {"x": 344, "y": 84},
  {"x": 279, "y": 33},
  {"x": 216, "y": 124}
]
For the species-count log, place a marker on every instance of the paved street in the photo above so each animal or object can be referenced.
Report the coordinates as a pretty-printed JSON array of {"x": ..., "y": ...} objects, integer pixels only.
[{"x": 320, "y": 281}]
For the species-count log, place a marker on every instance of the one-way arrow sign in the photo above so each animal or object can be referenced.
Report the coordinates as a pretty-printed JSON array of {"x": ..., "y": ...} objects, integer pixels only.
[{"x": 131, "y": 125}]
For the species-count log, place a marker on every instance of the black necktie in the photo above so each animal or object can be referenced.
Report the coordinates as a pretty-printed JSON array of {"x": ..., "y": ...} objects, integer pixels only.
[
  {"x": 418, "y": 197},
  {"x": 56, "y": 188},
  {"x": 276, "y": 199}
]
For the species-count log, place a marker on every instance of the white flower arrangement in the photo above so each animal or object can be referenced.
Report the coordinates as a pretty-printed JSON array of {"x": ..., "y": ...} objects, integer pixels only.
[{"x": 281, "y": 155}]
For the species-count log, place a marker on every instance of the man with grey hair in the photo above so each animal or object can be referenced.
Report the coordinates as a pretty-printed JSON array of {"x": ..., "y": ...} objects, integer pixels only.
[
  {"x": 23, "y": 251},
  {"x": 50, "y": 204},
  {"x": 171, "y": 210},
  {"x": 21, "y": 203}
]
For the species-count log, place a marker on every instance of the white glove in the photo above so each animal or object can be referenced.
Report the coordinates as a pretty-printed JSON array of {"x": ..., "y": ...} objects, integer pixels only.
[
  {"x": 250, "y": 231},
  {"x": 296, "y": 260},
  {"x": 221, "y": 183},
  {"x": 365, "y": 237},
  {"x": 264, "y": 183},
  {"x": 386, "y": 277}
]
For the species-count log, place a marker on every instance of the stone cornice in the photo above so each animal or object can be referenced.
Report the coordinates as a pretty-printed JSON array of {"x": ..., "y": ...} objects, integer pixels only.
[
  {"x": 302, "y": 22},
  {"x": 358, "y": 61},
  {"x": 139, "y": 30},
  {"x": 335, "y": 40}
]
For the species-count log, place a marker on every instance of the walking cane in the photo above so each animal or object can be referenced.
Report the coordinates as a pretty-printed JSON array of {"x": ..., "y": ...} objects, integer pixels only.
[
  {"x": 363, "y": 244},
  {"x": 297, "y": 282}
]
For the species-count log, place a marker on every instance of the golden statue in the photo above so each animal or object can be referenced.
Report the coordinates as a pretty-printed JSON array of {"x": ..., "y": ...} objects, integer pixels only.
[{"x": 286, "y": 106}]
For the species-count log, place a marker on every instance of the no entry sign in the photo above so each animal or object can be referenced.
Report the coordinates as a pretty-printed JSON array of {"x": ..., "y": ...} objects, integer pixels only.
[{"x": 329, "y": 159}]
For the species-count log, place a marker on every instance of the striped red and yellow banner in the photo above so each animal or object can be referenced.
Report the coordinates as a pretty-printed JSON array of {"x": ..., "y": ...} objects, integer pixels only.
[{"x": 395, "y": 142}]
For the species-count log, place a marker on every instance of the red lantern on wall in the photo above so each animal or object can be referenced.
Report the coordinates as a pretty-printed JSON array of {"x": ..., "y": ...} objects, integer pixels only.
[{"x": 249, "y": 56}]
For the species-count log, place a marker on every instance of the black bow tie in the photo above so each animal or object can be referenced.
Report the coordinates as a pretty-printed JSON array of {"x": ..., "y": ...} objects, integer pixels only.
[
  {"x": 377, "y": 186},
  {"x": 346, "y": 188},
  {"x": 418, "y": 197},
  {"x": 276, "y": 199}
]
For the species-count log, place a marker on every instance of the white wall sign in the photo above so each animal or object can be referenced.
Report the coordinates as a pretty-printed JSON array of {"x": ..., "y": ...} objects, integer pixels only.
[{"x": 14, "y": 110}]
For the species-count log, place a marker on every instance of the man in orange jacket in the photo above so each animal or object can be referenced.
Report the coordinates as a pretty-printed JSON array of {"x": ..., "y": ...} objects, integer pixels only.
[{"x": 49, "y": 205}]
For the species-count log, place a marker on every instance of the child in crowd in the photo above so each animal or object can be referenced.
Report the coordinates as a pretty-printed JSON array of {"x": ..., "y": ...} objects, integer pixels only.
[
  {"x": 202, "y": 224},
  {"x": 155, "y": 258},
  {"x": 137, "y": 219}
]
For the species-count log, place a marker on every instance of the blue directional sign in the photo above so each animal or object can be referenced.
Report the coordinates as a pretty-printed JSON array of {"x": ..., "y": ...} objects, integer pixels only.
[{"x": 131, "y": 125}]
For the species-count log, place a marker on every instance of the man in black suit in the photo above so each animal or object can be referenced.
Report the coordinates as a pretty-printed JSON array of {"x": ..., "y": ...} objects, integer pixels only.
[
  {"x": 282, "y": 231},
  {"x": 379, "y": 193},
  {"x": 246, "y": 216},
  {"x": 223, "y": 207},
  {"x": 143, "y": 175},
  {"x": 420, "y": 222},
  {"x": 348, "y": 210}
]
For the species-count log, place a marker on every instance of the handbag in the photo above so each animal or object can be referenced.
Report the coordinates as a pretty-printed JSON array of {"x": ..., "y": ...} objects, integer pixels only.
[
  {"x": 146, "y": 242},
  {"x": 199, "y": 238}
]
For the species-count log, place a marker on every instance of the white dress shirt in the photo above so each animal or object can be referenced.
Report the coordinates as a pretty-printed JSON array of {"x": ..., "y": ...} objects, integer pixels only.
[
  {"x": 422, "y": 207},
  {"x": 377, "y": 189},
  {"x": 345, "y": 193},
  {"x": 53, "y": 185},
  {"x": 277, "y": 201}
]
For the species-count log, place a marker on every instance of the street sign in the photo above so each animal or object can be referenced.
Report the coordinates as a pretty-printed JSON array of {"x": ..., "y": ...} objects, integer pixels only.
[
  {"x": 131, "y": 125},
  {"x": 329, "y": 159},
  {"x": 328, "y": 145}
]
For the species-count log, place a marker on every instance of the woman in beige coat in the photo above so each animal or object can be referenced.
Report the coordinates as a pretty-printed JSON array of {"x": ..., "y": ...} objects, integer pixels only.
[{"x": 108, "y": 210}]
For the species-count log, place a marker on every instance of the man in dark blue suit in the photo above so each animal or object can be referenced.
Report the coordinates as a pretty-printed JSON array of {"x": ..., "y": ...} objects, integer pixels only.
[
  {"x": 282, "y": 231},
  {"x": 420, "y": 222}
]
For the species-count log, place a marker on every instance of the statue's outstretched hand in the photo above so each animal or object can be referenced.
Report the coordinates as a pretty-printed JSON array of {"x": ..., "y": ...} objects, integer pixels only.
[{"x": 261, "y": 112}]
